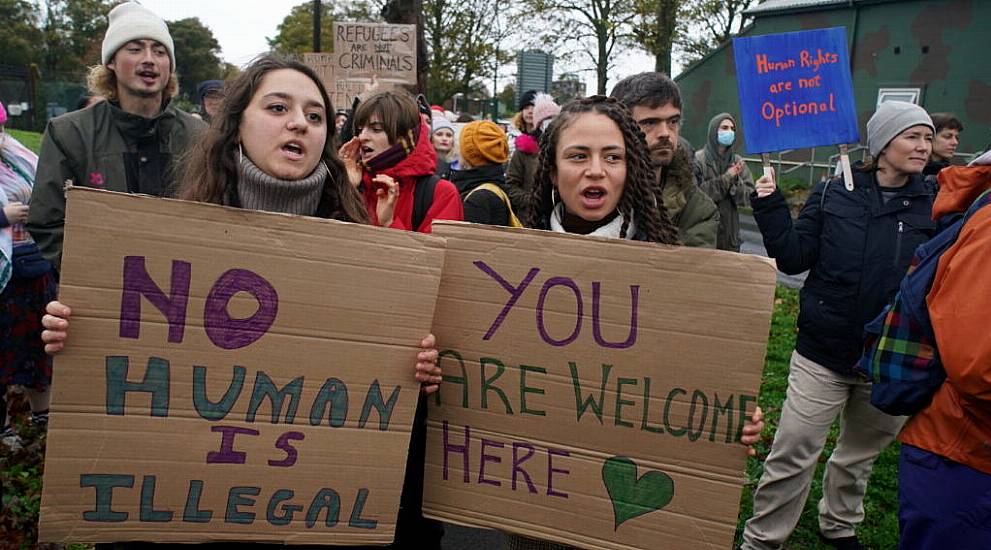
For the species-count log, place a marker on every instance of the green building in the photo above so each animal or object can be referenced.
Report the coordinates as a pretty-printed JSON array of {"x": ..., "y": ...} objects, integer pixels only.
[{"x": 936, "y": 53}]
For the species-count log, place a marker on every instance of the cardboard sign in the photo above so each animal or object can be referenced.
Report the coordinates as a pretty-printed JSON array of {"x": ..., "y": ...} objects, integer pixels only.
[
  {"x": 795, "y": 90},
  {"x": 594, "y": 390},
  {"x": 365, "y": 49},
  {"x": 232, "y": 375}
]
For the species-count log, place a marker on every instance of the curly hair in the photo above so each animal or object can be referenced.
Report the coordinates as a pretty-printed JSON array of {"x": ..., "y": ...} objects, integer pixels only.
[
  {"x": 640, "y": 199},
  {"x": 212, "y": 172}
]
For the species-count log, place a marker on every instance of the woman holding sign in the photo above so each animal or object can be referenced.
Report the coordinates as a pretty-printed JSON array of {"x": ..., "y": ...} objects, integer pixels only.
[
  {"x": 595, "y": 177},
  {"x": 857, "y": 245},
  {"x": 271, "y": 149}
]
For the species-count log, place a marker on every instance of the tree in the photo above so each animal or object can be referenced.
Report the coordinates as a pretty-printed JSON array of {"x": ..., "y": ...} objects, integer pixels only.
[
  {"x": 712, "y": 22},
  {"x": 19, "y": 34},
  {"x": 72, "y": 33},
  {"x": 462, "y": 41},
  {"x": 197, "y": 53},
  {"x": 590, "y": 28},
  {"x": 295, "y": 33},
  {"x": 657, "y": 29}
]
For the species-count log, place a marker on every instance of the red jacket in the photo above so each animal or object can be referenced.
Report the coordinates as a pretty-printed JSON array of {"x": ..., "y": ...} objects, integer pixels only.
[
  {"x": 957, "y": 424},
  {"x": 420, "y": 163}
]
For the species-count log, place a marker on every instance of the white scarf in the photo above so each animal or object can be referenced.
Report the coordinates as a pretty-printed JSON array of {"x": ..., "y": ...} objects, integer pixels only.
[{"x": 609, "y": 230}]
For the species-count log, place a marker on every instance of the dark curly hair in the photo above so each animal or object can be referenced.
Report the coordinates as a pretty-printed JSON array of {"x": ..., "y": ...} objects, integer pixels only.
[
  {"x": 640, "y": 199},
  {"x": 212, "y": 171}
]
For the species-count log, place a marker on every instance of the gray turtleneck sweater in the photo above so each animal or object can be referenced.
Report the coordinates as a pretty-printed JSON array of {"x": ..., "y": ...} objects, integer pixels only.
[{"x": 260, "y": 191}]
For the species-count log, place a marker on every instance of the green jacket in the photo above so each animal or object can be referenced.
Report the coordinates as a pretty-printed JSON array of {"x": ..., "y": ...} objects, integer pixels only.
[
  {"x": 687, "y": 206},
  {"x": 105, "y": 148},
  {"x": 729, "y": 193}
]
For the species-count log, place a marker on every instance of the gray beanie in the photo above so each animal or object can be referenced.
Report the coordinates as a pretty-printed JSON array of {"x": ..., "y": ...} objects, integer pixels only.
[
  {"x": 132, "y": 21},
  {"x": 891, "y": 119}
]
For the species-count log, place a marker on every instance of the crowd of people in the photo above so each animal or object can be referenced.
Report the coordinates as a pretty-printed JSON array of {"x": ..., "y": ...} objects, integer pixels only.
[{"x": 616, "y": 167}]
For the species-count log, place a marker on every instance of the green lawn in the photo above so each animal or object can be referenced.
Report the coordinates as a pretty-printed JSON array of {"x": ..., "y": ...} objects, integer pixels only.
[
  {"x": 31, "y": 140},
  {"x": 20, "y": 473},
  {"x": 879, "y": 529}
]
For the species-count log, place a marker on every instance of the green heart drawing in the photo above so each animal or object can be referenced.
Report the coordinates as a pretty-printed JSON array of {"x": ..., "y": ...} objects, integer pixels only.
[{"x": 632, "y": 496}]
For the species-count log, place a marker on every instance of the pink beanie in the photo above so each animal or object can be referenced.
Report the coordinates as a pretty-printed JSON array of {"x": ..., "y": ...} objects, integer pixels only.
[
  {"x": 544, "y": 108},
  {"x": 3, "y": 114}
]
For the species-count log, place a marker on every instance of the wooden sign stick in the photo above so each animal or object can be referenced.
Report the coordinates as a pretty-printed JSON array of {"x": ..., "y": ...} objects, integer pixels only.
[{"x": 845, "y": 165}]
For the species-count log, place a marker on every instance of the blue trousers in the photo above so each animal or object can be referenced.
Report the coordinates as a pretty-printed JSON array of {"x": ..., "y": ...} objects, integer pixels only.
[{"x": 941, "y": 503}]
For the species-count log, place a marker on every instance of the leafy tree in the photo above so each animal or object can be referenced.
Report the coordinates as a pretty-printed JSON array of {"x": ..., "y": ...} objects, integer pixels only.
[
  {"x": 19, "y": 34},
  {"x": 197, "y": 53},
  {"x": 657, "y": 29},
  {"x": 712, "y": 22},
  {"x": 295, "y": 33},
  {"x": 589, "y": 28},
  {"x": 72, "y": 32},
  {"x": 462, "y": 41}
]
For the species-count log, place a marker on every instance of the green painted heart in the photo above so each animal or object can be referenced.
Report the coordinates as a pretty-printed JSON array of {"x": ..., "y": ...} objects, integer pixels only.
[{"x": 632, "y": 496}]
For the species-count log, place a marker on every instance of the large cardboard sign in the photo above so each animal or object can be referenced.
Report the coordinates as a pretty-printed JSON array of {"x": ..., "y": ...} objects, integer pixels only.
[
  {"x": 795, "y": 90},
  {"x": 594, "y": 389},
  {"x": 233, "y": 375}
]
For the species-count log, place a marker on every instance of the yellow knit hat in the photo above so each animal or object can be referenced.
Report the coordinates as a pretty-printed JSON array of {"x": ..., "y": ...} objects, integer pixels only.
[{"x": 484, "y": 142}]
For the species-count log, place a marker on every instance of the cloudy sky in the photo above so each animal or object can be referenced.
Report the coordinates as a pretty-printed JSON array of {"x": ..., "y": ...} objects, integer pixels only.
[{"x": 241, "y": 27}]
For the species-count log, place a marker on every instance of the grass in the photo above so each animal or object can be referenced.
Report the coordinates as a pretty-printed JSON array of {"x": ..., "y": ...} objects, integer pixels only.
[
  {"x": 879, "y": 530},
  {"x": 20, "y": 473},
  {"x": 31, "y": 140}
]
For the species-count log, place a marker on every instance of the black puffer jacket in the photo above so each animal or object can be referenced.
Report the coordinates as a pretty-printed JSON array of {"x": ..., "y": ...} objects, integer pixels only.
[{"x": 858, "y": 248}]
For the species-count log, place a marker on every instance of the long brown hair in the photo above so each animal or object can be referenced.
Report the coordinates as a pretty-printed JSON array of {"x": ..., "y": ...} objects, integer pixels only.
[
  {"x": 212, "y": 171},
  {"x": 640, "y": 198}
]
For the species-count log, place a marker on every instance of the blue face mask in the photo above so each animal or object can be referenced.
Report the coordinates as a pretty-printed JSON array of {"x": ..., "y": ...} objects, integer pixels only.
[{"x": 725, "y": 137}]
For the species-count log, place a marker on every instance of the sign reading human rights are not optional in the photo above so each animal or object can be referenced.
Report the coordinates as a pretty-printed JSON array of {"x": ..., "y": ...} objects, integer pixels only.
[
  {"x": 233, "y": 375},
  {"x": 594, "y": 390},
  {"x": 796, "y": 90}
]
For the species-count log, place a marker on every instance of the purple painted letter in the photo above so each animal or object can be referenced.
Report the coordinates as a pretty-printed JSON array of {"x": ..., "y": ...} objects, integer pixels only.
[
  {"x": 138, "y": 283},
  {"x": 228, "y": 333}
]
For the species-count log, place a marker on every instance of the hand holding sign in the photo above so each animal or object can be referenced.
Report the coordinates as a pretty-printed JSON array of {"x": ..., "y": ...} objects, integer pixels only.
[{"x": 765, "y": 185}]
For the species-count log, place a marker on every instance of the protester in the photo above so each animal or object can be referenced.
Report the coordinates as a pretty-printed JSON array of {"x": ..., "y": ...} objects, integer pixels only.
[
  {"x": 271, "y": 149},
  {"x": 944, "y": 482},
  {"x": 725, "y": 178},
  {"x": 596, "y": 177},
  {"x": 945, "y": 142},
  {"x": 210, "y": 94},
  {"x": 858, "y": 245},
  {"x": 129, "y": 142},
  {"x": 522, "y": 122},
  {"x": 442, "y": 138},
  {"x": 523, "y": 165},
  {"x": 655, "y": 101},
  {"x": 27, "y": 283},
  {"x": 390, "y": 157},
  {"x": 484, "y": 150}
]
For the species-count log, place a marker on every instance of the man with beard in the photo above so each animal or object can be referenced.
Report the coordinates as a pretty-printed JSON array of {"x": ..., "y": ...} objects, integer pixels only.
[
  {"x": 129, "y": 142},
  {"x": 655, "y": 101}
]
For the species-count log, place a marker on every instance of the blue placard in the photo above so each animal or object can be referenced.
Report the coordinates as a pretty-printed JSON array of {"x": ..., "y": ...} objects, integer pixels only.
[{"x": 795, "y": 90}]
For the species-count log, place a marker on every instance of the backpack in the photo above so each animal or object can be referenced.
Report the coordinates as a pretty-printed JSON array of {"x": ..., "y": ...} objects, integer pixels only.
[
  {"x": 498, "y": 191},
  {"x": 423, "y": 197},
  {"x": 900, "y": 353}
]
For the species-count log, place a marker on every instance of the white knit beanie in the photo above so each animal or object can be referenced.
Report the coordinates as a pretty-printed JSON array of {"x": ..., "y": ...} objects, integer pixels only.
[
  {"x": 132, "y": 21},
  {"x": 891, "y": 119}
]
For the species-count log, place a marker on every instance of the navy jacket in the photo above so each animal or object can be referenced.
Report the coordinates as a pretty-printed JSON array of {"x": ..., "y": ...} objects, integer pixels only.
[{"x": 858, "y": 249}]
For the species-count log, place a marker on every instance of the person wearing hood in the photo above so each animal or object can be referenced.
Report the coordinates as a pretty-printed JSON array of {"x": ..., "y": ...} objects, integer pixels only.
[
  {"x": 390, "y": 156},
  {"x": 523, "y": 165},
  {"x": 210, "y": 94},
  {"x": 944, "y": 483},
  {"x": 856, "y": 245},
  {"x": 484, "y": 150},
  {"x": 945, "y": 142},
  {"x": 725, "y": 178},
  {"x": 129, "y": 143},
  {"x": 27, "y": 283},
  {"x": 442, "y": 138}
]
